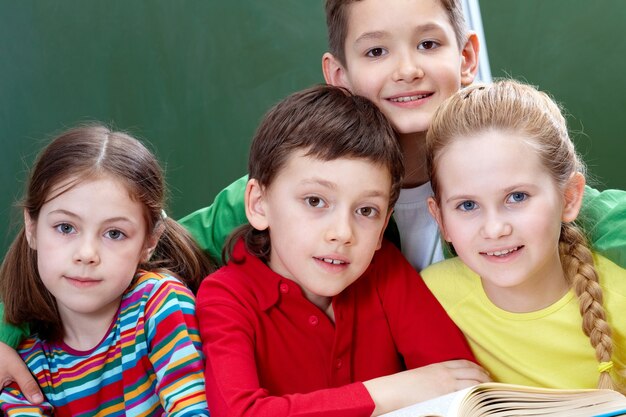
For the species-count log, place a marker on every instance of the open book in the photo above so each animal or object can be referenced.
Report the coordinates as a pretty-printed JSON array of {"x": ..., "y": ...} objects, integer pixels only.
[{"x": 505, "y": 400}]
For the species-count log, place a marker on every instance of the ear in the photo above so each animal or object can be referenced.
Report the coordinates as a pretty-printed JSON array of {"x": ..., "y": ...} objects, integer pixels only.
[
  {"x": 382, "y": 232},
  {"x": 29, "y": 230},
  {"x": 255, "y": 205},
  {"x": 434, "y": 210},
  {"x": 334, "y": 71},
  {"x": 573, "y": 195},
  {"x": 153, "y": 240},
  {"x": 469, "y": 59}
]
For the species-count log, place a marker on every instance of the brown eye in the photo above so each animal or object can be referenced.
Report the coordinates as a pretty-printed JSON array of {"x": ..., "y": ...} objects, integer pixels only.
[
  {"x": 314, "y": 202},
  {"x": 376, "y": 52},
  {"x": 427, "y": 45}
]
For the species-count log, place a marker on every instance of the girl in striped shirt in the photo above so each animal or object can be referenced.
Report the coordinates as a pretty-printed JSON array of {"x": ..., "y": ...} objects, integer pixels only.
[{"x": 95, "y": 273}]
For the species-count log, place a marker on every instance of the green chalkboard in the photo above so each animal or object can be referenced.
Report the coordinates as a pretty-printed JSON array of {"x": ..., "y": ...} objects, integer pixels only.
[
  {"x": 576, "y": 50},
  {"x": 194, "y": 77}
]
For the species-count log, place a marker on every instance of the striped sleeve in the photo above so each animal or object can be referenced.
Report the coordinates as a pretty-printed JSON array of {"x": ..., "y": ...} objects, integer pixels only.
[
  {"x": 174, "y": 349},
  {"x": 12, "y": 400}
]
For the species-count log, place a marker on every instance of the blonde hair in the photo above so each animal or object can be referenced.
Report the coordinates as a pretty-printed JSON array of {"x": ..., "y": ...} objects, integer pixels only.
[{"x": 512, "y": 106}]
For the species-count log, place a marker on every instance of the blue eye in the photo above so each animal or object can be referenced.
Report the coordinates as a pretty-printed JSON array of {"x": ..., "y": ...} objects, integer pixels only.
[
  {"x": 315, "y": 202},
  {"x": 115, "y": 234},
  {"x": 517, "y": 197},
  {"x": 467, "y": 205},
  {"x": 64, "y": 228}
]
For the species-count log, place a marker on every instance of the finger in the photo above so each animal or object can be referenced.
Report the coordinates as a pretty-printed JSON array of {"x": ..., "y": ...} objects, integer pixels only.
[
  {"x": 471, "y": 371},
  {"x": 460, "y": 363},
  {"x": 27, "y": 384}
]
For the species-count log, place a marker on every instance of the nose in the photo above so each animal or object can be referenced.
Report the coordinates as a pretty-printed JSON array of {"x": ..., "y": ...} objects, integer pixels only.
[
  {"x": 495, "y": 226},
  {"x": 87, "y": 251},
  {"x": 408, "y": 68},
  {"x": 340, "y": 229}
]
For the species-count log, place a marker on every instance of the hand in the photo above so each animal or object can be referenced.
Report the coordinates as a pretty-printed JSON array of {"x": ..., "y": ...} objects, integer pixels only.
[
  {"x": 13, "y": 369},
  {"x": 408, "y": 387}
]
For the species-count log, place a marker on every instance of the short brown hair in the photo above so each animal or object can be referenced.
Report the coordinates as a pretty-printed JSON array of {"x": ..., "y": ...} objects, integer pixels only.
[
  {"x": 327, "y": 123},
  {"x": 337, "y": 24}
]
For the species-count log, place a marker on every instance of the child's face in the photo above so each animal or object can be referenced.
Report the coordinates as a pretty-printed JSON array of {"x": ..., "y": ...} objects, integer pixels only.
[
  {"x": 502, "y": 211},
  {"x": 403, "y": 55},
  {"x": 89, "y": 241},
  {"x": 326, "y": 219}
]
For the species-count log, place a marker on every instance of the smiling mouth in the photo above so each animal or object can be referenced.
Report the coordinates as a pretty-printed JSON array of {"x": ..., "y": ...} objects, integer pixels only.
[
  {"x": 331, "y": 261},
  {"x": 503, "y": 252},
  {"x": 407, "y": 99}
]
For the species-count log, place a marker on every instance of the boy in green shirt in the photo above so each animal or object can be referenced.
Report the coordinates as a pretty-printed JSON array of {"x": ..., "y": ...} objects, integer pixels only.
[{"x": 407, "y": 57}]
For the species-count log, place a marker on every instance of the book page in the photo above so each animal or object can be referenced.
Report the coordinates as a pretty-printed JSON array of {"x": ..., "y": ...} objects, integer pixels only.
[
  {"x": 444, "y": 406},
  {"x": 504, "y": 400}
]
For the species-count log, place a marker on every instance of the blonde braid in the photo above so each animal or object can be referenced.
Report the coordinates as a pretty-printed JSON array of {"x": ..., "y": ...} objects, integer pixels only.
[{"x": 581, "y": 273}]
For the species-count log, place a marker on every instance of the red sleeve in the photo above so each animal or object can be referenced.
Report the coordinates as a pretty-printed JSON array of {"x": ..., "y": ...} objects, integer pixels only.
[
  {"x": 422, "y": 330},
  {"x": 227, "y": 329}
]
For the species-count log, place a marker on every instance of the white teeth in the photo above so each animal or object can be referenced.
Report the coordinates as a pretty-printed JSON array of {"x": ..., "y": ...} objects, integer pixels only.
[
  {"x": 409, "y": 98},
  {"x": 502, "y": 252},
  {"x": 333, "y": 261}
]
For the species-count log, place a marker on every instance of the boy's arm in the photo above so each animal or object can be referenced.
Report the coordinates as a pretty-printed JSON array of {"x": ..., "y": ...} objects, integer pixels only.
[
  {"x": 9, "y": 334},
  {"x": 422, "y": 330},
  {"x": 174, "y": 349},
  {"x": 12, "y": 368},
  {"x": 212, "y": 225},
  {"x": 603, "y": 217}
]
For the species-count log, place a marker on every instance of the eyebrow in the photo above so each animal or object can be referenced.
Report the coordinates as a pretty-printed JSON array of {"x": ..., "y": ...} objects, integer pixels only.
[
  {"x": 506, "y": 190},
  {"x": 333, "y": 186},
  {"x": 381, "y": 34},
  {"x": 74, "y": 215}
]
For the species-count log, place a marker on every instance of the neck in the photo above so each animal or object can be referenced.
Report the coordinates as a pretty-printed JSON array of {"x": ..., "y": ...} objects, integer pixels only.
[
  {"x": 414, "y": 150},
  {"x": 85, "y": 331},
  {"x": 537, "y": 293}
]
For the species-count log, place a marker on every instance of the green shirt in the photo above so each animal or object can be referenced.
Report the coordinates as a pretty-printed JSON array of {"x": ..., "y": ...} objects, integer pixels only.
[{"x": 603, "y": 217}]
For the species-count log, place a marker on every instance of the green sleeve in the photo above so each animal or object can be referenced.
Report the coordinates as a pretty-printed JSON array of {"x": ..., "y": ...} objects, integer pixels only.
[
  {"x": 603, "y": 217},
  {"x": 212, "y": 225},
  {"x": 10, "y": 334}
]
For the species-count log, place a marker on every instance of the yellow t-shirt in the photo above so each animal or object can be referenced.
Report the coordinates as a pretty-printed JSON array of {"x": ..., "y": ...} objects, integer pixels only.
[{"x": 545, "y": 348}]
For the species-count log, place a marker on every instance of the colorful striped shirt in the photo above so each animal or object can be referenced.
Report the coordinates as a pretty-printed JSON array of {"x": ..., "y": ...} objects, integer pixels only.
[{"x": 148, "y": 364}]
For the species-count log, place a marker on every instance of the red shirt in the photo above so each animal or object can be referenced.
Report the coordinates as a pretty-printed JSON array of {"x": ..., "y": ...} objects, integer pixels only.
[{"x": 271, "y": 352}]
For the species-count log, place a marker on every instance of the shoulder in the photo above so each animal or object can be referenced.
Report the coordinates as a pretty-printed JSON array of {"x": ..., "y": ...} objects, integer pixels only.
[
  {"x": 388, "y": 256},
  {"x": 451, "y": 280},
  {"x": 612, "y": 276},
  {"x": 152, "y": 291},
  {"x": 388, "y": 265},
  {"x": 150, "y": 281},
  {"x": 246, "y": 281},
  {"x": 450, "y": 267}
]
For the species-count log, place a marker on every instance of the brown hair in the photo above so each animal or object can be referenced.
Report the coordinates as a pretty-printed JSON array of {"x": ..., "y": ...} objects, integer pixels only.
[
  {"x": 328, "y": 123},
  {"x": 512, "y": 106},
  {"x": 337, "y": 24},
  {"x": 83, "y": 153}
]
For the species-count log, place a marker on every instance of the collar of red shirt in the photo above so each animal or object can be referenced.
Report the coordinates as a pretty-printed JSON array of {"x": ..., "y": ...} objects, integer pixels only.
[{"x": 267, "y": 284}]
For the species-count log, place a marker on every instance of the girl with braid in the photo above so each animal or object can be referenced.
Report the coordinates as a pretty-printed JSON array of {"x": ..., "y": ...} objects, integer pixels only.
[{"x": 536, "y": 304}]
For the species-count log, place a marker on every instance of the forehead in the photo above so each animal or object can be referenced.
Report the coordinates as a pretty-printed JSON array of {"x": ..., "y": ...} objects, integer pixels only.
[
  {"x": 487, "y": 160},
  {"x": 366, "y": 16},
  {"x": 94, "y": 196},
  {"x": 355, "y": 174}
]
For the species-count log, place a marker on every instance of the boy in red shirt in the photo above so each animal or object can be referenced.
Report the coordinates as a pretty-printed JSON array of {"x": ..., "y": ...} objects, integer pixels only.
[{"x": 301, "y": 320}]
